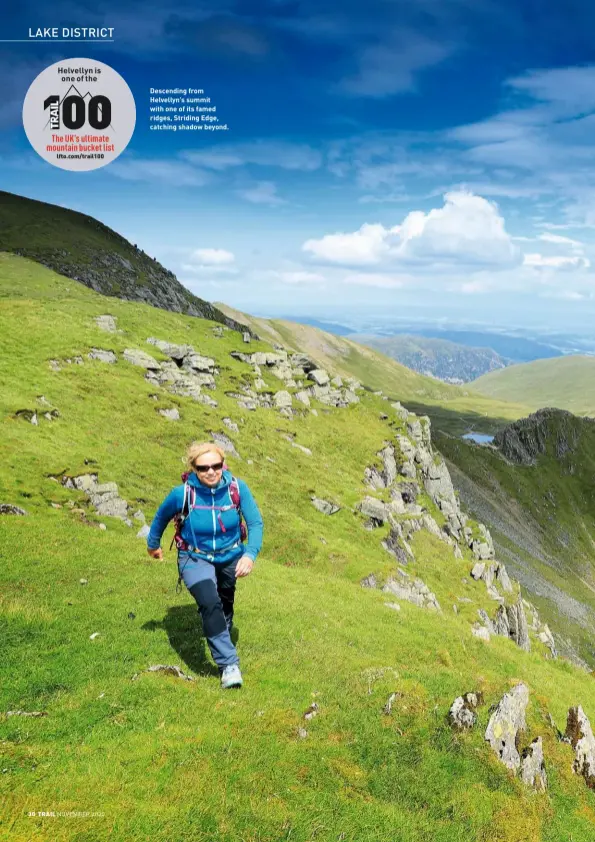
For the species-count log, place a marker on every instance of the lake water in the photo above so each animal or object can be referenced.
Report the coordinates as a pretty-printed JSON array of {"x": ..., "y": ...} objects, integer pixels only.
[{"x": 479, "y": 438}]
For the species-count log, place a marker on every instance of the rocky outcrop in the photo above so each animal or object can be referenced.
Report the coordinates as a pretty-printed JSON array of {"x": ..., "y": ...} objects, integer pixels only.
[
  {"x": 104, "y": 497},
  {"x": 414, "y": 591},
  {"x": 580, "y": 734},
  {"x": 526, "y": 439},
  {"x": 9, "y": 509},
  {"x": 505, "y": 722}
]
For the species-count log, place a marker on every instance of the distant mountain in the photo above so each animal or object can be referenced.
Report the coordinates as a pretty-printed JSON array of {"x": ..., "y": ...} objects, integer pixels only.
[
  {"x": 84, "y": 249},
  {"x": 566, "y": 383},
  {"x": 329, "y": 327},
  {"x": 439, "y": 358},
  {"x": 512, "y": 348}
]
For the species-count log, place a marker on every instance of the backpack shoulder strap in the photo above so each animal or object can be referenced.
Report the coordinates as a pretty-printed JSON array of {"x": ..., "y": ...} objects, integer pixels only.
[{"x": 234, "y": 492}]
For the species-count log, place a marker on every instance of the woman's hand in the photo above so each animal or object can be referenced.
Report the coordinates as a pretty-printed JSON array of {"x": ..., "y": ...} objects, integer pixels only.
[
  {"x": 244, "y": 566},
  {"x": 158, "y": 553}
]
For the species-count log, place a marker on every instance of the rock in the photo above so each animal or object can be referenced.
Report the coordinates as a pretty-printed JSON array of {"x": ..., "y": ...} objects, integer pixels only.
[
  {"x": 390, "y": 465},
  {"x": 578, "y": 730},
  {"x": 231, "y": 425},
  {"x": 226, "y": 443},
  {"x": 478, "y": 571},
  {"x": 176, "y": 352},
  {"x": 506, "y": 721},
  {"x": 246, "y": 337},
  {"x": 533, "y": 766},
  {"x": 102, "y": 355},
  {"x": 26, "y": 713},
  {"x": 84, "y": 581},
  {"x": 374, "y": 478},
  {"x": 143, "y": 531},
  {"x": 312, "y": 711},
  {"x": 93, "y": 636},
  {"x": 139, "y": 515},
  {"x": 416, "y": 592},
  {"x": 142, "y": 359},
  {"x": 481, "y": 632},
  {"x": 503, "y": 578},
  {"x": 547, "y": 638},
  {"x": 107, "y": 323},
  {"x": 303, "y": 397},
  {"x": 282, "y": 398},
  {"x": 517, "y": 623},
  {"x": 369, "y": 581},
  {"x": 171, "y": 414},
  {"x": 373, "y": 508},
  {"x": 302, "y": 733},
  {"x": 9, "y": 509},
  {"x": 394, "y": 605},
  {"x": 319, "y": 376},
  {"x": 462, "y": 712},
  {"x": 102, "y": 526},
  {"x": 325, "y": 506}
]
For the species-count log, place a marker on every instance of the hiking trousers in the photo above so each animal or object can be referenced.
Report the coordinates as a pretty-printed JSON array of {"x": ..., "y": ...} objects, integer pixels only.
[{"x": 213, "y": 587}]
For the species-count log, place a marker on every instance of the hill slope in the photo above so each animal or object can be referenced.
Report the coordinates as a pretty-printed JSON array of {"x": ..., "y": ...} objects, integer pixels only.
[
  {"x": 451, "y": 408},
  {"x": 564, "y": 382},
  {"x": 85, "y": 611},
  {"x": 84, "y": 249},
  {"x": 439, "y": 358}
]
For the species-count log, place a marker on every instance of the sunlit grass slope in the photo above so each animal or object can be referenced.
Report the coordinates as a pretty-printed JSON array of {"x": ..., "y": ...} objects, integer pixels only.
[
  {"x": 454, "y": 409},
  {"x": 163, "y": 759},
  {"x": 563, "y": 382}
]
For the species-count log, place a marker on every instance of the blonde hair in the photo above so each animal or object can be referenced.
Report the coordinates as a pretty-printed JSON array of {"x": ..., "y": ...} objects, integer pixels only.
[{"x": 197, "y": 448}]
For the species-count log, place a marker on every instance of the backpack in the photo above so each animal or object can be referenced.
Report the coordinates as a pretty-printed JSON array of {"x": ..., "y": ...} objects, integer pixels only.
[{"x": 189, "y": 503}]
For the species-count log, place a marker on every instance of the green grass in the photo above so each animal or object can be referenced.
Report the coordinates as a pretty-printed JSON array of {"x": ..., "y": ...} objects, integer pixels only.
[
  {"x": 562, "y": 382},
  {"x": 164, "y": 759}
]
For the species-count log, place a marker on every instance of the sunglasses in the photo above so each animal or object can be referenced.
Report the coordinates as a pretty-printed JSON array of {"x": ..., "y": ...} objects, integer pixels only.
[{"x": 202, "y": 469}]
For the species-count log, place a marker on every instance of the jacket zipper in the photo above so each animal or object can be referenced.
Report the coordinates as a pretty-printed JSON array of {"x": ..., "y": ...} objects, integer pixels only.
[{"x": 213, "y": 510}]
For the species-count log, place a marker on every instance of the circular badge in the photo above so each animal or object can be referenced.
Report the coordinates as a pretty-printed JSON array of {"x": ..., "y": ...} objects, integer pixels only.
[{"x": 79, "y": 114}]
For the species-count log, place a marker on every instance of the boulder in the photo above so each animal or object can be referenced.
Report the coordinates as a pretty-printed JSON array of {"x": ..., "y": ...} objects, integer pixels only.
[
  {"x": 462, "y": 711},
  {"x": 172, "y": 414},
  {"x": 142, "y": 359},
  {"x": 9, "y": 509},
  {"x": 102, "y": 355},
  {"x": 107, "y": 323},
  {"x": 319, "y": 376},
  {"x": 373, "y": 508},
  {"x": 505, "y": 723},
  {"x": 324, "y": 506}
]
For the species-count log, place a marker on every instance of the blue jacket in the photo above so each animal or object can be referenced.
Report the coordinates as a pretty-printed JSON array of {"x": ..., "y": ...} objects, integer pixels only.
[{"x": 205, "y": 524}]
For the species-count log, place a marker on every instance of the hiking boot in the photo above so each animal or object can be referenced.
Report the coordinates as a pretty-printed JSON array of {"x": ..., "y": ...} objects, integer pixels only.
[{"x": 231, "y": 676}]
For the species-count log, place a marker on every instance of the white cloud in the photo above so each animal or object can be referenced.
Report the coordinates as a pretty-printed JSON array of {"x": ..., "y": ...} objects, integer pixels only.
[
  {"x": 212, "y": 257},
  {"x": 209, "y": 261},
  {"x": 558, "y": 239},
  {"x": 467, "y": 230},
  {"x": 263, "y": 193},
  {"x": 556, "y": 261},
  {"x": 300, "y": 277}
]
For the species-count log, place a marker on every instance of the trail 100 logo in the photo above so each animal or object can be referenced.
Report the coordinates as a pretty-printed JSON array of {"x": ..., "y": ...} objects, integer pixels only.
[{"x": 79, "y": 114}]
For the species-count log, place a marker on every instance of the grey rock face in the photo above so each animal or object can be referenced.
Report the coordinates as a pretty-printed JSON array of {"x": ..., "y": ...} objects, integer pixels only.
[
  {"x": 578, "y": 730},
  {"x": 505, "y": 723},
  {"x": 533, "y": 766},
  {"x": 369, "y": 581},
  {"x": 231, "y": 425},
  {"x": 282, "y": 398},
  {"x": 102, "y": 355},
  {"x": 143, "y": 531}
]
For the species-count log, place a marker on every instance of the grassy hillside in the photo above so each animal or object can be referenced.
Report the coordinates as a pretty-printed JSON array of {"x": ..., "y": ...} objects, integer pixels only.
[
  {"x": 165, "y": 759},
  {"x": 84, "y": 249},
  {"x": 564, "y": 382},
  {"x": 453, "y": 409},
  {"x": 439, "y": 358},
  {"x": 541, "y": 513}
]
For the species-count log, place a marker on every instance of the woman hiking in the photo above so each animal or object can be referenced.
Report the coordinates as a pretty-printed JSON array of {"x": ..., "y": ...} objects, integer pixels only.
[{"x": 211, "y": 552}]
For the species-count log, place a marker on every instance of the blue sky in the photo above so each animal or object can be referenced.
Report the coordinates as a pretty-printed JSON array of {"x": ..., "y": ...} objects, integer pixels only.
[{"x": 428, "y": 159}]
